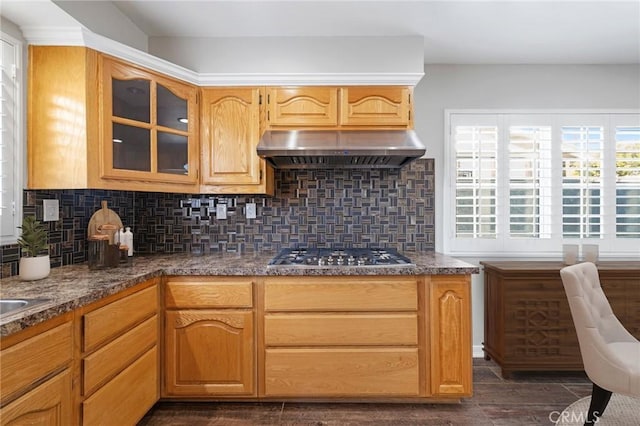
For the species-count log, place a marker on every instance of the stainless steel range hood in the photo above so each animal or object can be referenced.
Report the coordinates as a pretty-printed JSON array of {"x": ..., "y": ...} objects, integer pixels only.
[{"x": 352, "y": 149}]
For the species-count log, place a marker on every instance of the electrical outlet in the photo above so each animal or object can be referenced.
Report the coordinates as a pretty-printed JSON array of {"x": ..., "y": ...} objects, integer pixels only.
[
  {"x": 51, "y": 210},
  {"x": 251, "y": 211},
  {"x": 221, "y": 211}
]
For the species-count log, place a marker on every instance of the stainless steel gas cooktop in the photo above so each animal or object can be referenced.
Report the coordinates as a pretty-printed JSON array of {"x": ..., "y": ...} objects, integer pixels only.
[{"x": 314, "y": 257}]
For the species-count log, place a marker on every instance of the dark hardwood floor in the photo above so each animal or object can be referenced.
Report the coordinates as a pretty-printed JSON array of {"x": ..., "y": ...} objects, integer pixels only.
[{"x": 524, "y": 399}]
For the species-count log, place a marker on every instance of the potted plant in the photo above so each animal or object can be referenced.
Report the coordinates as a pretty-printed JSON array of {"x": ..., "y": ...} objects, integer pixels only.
[{"x": 33, "y": 241}]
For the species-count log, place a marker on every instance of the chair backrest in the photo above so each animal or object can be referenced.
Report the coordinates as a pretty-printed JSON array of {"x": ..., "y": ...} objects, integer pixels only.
[
  {"x": 589, "y": 305},
  {"x": 599, "y": 331}
]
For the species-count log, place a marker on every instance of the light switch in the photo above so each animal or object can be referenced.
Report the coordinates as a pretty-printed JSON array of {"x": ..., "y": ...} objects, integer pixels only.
[
  {"x": 221, "y": 211},
  {"x": 251, "y": 210},
  {"x": 50, "y": 210}
]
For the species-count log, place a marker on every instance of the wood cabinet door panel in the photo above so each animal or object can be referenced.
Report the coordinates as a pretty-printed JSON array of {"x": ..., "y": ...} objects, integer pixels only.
[
  {"x": 340, "y": 294},
  {"x": 342, "y": 372},
  {"x": 48, "y": 404},
  {"x": 111, "y": 320},
  {"x": 208, "y": 293},
  {"x": 302, "y": 106},
  {"x": 62, "y": 117},
  {"x": 209, "y": 353},
  {"x": 341, "y": 329},
  {"x": 126, "y": 398},
  {"x": 375, "y": 106},
  {"x": 450, "y": 315},
  {"x": 230, "y": 135},
  {"x": 34, "y": 358}
]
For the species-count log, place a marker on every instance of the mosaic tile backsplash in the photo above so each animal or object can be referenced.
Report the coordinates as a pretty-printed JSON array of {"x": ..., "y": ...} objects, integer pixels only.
[{"x": 315, "y": 208}]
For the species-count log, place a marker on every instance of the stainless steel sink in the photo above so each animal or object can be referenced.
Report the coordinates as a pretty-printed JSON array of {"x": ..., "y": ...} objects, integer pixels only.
[{"x": 12, "y": 306}]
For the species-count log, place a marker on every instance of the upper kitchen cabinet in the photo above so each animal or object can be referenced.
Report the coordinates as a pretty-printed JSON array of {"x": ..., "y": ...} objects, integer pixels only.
[
  {"x": 352, "y": 107},
  {"x": 388, "y": 106},
  {"x": 302, "y": 107},
  {"x": 62, "y": 122},
  {"x": 149, "y": 125},
  {"x": 87, "y": 129},
  {"x": 231, "y": 121}
]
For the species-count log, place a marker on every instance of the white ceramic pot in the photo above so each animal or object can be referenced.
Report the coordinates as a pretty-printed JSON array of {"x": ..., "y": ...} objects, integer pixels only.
[{"x": 34, "y": 268}]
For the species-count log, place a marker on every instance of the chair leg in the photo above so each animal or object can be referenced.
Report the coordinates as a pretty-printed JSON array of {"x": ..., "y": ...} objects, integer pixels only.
[{"x": 599, "y": 400}]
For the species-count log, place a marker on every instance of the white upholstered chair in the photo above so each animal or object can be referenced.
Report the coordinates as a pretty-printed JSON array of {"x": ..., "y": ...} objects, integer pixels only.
[{"x": 611, "y": 355}]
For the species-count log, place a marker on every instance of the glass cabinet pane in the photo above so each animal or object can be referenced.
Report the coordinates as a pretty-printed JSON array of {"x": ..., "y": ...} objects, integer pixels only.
[
  {"x": 131, "y": 148},
  {"x": 173, "y": 153},
  {"x": 172, "y": 110},
  {"x": 131, "y": 99}
]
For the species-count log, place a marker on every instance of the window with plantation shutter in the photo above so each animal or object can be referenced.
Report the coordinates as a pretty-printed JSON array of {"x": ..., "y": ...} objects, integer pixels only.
[
  {"x": 10, "y": 149},
  {"x": 528, "y": 182}
]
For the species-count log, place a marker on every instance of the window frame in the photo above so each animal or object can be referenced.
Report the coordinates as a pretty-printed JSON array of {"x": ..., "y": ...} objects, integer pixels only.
[
  {"x": 503, "y": 245},
  {"x": 17, "y": 167}
]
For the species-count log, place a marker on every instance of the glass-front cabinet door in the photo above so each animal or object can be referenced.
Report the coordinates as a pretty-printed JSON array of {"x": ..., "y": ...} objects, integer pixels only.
[{"x": 149, "y": 126}]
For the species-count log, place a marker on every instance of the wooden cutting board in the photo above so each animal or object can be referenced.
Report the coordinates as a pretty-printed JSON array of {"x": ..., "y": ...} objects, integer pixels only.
[{"x": 104, "y": 216}]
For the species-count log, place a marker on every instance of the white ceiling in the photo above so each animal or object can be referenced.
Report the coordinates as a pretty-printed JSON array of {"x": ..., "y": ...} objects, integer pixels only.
[{"x": 454, "y": 32}]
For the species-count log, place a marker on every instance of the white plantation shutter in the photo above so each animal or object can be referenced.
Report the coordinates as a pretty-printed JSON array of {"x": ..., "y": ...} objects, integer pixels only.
[
  {"x": 10, "y": 158},
  {"x": 530, "y": 181},
  {"x": 476, "y": 181},
  {"x": 525, "y": 183},
  {"x": 582, "y": 152},
  {"x": 627, "y": 140}
]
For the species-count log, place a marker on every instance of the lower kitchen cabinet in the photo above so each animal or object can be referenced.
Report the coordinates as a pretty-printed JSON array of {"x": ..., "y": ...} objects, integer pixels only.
[
  {"x": 341, "y": 337},
  {"x": 50, "y": 404},
  {"x": 120, "y": 358},
  {"x": 450, "y": 329},
  {"x": 35, "y": 374},
  {"x": 209, "y": 353},
  {"x": 209, "y": 337}
]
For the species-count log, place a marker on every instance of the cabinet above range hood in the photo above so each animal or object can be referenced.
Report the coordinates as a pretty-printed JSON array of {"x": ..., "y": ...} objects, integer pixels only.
[{"x": 343, "y": 149}]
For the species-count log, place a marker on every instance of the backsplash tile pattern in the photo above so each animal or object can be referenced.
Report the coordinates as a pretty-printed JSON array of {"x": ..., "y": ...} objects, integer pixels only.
[
  {"x": 316, "y": 208},
  {"x": 319, "y": 208},
  {"x": 68, "y": 235}
]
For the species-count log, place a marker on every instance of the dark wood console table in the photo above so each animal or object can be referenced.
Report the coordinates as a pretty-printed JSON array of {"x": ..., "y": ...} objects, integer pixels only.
[{"x": 527, "y": 321}]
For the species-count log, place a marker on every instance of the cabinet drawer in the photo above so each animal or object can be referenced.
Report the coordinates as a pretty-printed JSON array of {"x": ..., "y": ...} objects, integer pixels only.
[
  {"x": 110, "y": 320},
  {"x": 115, "y": 356},
  {"x": 34, "y": 358},
  {"x": 48, "y": 404},
  {"x": 342, "y": 372},
  {"x": 127, "y": 397},
  {"x": 327, "y": 294},
  {"x": 209, "y": 293},
  {"x": 340, "y": 329}
]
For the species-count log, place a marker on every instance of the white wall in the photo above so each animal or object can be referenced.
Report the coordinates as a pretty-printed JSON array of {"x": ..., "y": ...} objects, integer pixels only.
[
  {"x": 293, "y": 54},
  {"x": 511, "y": 87},
  {"x": 103, "y": 18}
]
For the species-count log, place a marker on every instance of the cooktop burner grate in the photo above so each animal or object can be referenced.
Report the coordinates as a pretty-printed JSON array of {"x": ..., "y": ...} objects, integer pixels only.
[{"x": 314, "y": 257}]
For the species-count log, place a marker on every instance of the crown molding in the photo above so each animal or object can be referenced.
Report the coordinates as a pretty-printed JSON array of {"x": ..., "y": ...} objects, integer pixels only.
[
  {"x": 81, "y": 36},
  {"x": 305, "y": 79}
]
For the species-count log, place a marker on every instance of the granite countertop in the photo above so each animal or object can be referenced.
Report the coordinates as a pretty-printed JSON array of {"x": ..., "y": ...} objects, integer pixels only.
[{"x": 71, "y": 287}]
